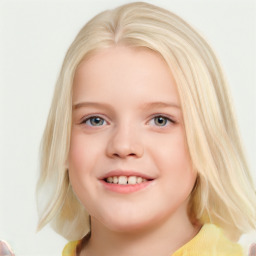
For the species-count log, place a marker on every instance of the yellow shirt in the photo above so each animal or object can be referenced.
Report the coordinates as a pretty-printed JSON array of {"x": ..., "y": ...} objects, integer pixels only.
[{"x": 210, "y": 241}]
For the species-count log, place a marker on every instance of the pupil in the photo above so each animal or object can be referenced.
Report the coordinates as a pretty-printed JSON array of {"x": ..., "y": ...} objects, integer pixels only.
[
  {"x": 96, "y": 121},
  {"x": 160, "y": 121}
]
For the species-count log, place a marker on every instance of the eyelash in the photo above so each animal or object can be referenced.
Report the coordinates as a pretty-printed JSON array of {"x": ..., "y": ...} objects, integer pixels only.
[
  {"x": 167, "y": 119},
  {"x": 90, "y": 118}
]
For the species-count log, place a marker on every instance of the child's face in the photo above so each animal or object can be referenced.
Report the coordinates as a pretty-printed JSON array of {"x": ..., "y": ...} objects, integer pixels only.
[{"x": 127, "y": 121}]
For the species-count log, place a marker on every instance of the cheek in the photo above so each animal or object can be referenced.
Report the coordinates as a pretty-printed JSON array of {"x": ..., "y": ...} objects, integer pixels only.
[
  {"x": 81, "y": 152},
  {"x": 76, "y": 153},
  {"x": 78, "y": 162},
  {"x": 173, "y": 160},
  {"x": 171, "y": 151},
  {"x": 84, "y": 159}
]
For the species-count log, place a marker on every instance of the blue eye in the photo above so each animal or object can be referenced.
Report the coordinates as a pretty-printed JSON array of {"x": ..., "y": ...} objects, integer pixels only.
[
  {"x": 94, "y": 121},
  {"x": 161, "y": 120}
]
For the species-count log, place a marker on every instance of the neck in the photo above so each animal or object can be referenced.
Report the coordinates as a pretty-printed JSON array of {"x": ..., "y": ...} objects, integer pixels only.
[{"x": 161, "y": 238}]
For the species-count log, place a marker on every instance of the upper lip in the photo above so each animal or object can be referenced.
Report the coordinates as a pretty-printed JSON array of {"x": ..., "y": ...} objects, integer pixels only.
[{"x": 125, "y": 173}]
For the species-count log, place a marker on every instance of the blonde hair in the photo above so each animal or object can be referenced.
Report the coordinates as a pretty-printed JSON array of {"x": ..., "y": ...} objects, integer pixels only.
[{"x": 224, "y": 193}]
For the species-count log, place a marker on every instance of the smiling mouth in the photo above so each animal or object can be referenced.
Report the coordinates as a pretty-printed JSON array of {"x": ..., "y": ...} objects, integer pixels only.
[{"x": 126, "y": 180}]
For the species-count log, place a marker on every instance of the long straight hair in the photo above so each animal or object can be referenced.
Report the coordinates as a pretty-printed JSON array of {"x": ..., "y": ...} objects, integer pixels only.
[{"x": 224, "y": 193}]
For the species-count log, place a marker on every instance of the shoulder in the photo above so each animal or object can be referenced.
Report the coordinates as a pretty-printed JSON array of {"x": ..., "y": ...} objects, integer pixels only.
[
  {"x": 70, "y": 248},
  {"x": 210, "y": 241},
  {"x": 217, "y": 240}
]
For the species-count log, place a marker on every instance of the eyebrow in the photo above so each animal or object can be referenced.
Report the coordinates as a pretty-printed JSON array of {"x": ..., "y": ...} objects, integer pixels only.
[
  {"x": 147, "y": 105},
  {"x": 160, "y": 104},
  {"x": 90, "y": 104}
]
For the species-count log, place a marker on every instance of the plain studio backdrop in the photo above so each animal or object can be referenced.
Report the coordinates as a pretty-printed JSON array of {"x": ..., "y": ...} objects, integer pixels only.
[{"x": 34, "y": 37}]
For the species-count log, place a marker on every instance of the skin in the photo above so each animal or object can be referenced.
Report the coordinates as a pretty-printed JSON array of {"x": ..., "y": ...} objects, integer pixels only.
[{"x": 133, "y": 133}]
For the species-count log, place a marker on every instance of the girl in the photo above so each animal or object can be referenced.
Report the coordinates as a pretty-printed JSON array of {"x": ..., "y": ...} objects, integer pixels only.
[{"x": 141, "y": 154}]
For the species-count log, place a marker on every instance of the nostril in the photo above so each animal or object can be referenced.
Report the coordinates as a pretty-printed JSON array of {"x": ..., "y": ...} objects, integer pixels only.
[
  {"x": 123, "y": 155},
  {"x": 122, "y": 149}
]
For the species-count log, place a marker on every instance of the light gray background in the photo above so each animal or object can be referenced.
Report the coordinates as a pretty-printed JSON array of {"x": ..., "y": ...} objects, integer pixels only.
[{"x": 34, "y": 37}]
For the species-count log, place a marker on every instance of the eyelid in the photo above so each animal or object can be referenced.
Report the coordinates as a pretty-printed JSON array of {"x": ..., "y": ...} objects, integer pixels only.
[
  {"x": 168, "y": 117},
  {"x": 87, "y": 117},
  {"x": 171, "y": 119}
]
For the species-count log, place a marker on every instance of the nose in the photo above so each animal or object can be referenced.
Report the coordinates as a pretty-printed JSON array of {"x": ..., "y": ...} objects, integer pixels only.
[{"x": 125, "y": 142}]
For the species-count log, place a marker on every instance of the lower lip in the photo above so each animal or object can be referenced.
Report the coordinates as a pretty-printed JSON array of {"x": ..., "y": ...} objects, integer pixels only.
[{"x": 125, "y": 189}]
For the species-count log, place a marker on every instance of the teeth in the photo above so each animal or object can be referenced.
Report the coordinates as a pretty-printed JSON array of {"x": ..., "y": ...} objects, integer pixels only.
[
  {"x": 110, "y": 179},
  {"x": 139, "y": 180},
  {"x": 132, "y": 180},
  {"x": 124, "y": 180},
  {"x": 115, "y": 180}
]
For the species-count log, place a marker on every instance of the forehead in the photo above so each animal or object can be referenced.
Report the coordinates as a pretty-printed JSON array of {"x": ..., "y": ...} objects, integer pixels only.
[{"x": 124, "y": 71}]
